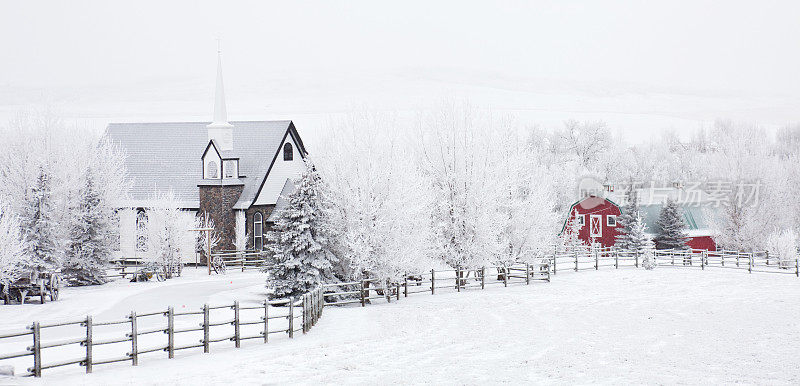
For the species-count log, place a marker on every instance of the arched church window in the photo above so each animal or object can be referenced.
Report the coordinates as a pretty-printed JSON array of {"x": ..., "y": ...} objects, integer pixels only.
[
  {"x": 258, "y": 232},
  {"x": 212, "y": 169},
  {"x": 141, "y": 231},
  {"x": 288, "y": 155}
]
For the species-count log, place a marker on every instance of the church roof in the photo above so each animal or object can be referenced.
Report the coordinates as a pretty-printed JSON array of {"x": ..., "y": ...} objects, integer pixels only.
[
  {"x": 283, "y": 200},
  {"x": 163, "y": 157}
]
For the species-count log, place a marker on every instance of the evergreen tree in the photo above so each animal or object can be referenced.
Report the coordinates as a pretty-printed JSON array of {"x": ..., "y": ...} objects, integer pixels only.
[
  {"x": 570, "y": 236},
  {"x": 301, "y": 258},
  {"x": 39, "y": 227},
  {"x": 89, "y": 244},
  {"x": 671, "y": 227},
  {"x": 629, "y": 220},
  {"x": 637, "y": 240}
]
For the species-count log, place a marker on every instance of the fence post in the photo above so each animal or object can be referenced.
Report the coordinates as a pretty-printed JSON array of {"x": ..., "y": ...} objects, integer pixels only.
[
  {"x": 750, "y": 264},
  {"x": 433, "y": 282},
  {"x": 236, "y": 336},
  {"x": 304, "y": 314},
  {"x": 266, "y": 320},
  {"x": 527, "y": 274},
  {"x": 362, "y": 293},
  {"x": 386, "y": 292},
  {"x": 171, "y": 332},
  {"x": 636, "y": 259},
  {"x": 405, "y": 286},
  {"x": 483, "y": 277},
  {"x": 554, "y": 263},
  {"x": 796, "y": 268},
  {"x": 37, "y": 350},
  {"x": 616, "y": 259},
  {"x": 397, "y": 293},
  {"x": 766, "y": 255},
  {"x": 134, "y": 340},
  {"x": 458, "y": 281},
  {"x": 737, "y": 258},
  {"x": 88, "y": 343},
  {"x": 206, "y": 335},
  {"x": 722, "y": 258},
  {"x": 576, "y": 260},
  {"x": 596, "y": 261},
  {"x": 505, "y": 275},
  {"x": 291, "y": 316}
]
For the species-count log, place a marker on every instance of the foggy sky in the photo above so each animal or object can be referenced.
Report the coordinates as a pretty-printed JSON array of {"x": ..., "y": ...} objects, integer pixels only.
[{"x": 636, "y": 64}]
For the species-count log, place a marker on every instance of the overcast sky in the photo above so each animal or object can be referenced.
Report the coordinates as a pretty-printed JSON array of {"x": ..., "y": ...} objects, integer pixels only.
[{"x": 638, "y": 65}]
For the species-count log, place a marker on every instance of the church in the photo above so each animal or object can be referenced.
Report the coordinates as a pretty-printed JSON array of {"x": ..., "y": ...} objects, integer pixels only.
[{"x": 235, "y": 172}]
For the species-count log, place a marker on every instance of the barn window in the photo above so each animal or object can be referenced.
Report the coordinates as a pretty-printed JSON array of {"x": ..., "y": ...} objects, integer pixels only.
[
  {"x": 141, "y": 231},
  {"x": 258, "y": 231},
  {"x": 288, "y": 155},
  {"x": 611, "y": 220},
  {"x": 581, "y": 219}
]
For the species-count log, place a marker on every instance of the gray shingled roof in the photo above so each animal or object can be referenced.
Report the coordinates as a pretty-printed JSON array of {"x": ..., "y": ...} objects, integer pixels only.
[
  {"x": 283, "y": 202},
  {"x": 166, "y": 156}
]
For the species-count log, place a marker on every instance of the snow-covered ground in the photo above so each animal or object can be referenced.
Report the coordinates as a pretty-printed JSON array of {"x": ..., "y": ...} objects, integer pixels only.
[{"x": 615, "y": 326}]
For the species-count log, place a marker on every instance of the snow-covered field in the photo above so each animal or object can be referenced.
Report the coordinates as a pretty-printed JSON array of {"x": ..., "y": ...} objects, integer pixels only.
[{"x": 665, "y": 326}]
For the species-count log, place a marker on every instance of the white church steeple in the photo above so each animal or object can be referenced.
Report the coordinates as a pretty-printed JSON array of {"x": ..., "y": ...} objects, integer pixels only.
[{"x": 220, "y": 130}]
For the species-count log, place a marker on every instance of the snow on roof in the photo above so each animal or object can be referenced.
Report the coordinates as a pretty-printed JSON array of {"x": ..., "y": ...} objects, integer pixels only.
[
  {"x": 693, "y": 215},
  {"x": 282, "y": 203},
  {"x": 162, "y": 157}
]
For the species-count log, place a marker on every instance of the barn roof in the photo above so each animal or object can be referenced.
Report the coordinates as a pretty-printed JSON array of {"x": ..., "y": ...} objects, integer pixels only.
[
  {"x": 693, "y": 215},
  {"x": 166, "y": 156}
]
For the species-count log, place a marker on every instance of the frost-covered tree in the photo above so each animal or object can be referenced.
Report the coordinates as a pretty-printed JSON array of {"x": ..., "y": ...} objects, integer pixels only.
[
  {"x": 301, "y": 258},
  {"x": 460, "y": 159},
  {"x": 170, "y": 233},
  {"x": 40, "y": 228},
  {"x": 783, "y": 246},
  {"x": 648, "y": 258},
  {"x": 638, "y": 241},
  {"x": 671, "y": 232},
  {"x": 569, "y": 238},
  {"x": 378, "y": 200},
  {"x": 628, "y": 221},
  {"x": 530, "y": 223},
  {"x": 12, "y": 248},
  {"x": 90, "y": 235}
]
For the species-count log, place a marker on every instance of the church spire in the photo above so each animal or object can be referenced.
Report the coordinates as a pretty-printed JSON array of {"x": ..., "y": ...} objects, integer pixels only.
[{"x": 220, "y": 130}]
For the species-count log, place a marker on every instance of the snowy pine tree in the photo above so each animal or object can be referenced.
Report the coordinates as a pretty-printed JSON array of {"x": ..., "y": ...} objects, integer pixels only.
[
  {"x": 89, "y": 244},
  {"x": 39, "y": 227},
  {"x": 628, "y": 220},
  {"x": 301, "y": 258},
  {"x": 671, "y": 227},
  {"x": 637, "y": 239}
]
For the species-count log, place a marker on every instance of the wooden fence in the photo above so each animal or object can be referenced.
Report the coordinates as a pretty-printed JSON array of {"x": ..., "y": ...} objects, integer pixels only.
[
  {"x": 241, "y": 259},
  {"x": 94, "y": 343},
  {"x": 586, "y": 258},
  {"x": 140, "y": 333},
  {"x": 453, "y": 280}
]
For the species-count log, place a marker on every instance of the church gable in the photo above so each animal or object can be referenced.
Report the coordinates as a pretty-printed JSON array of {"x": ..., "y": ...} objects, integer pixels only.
[
  {"x": 212, "y": 162},
  {"x": 287, "y": 163}
]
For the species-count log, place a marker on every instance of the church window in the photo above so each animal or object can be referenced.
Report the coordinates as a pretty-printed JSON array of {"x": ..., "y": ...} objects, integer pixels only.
[
  {"x": 288, "y": 154},
  {"x": 258, "y": 232},
  {"x": 212, "y": 169}
]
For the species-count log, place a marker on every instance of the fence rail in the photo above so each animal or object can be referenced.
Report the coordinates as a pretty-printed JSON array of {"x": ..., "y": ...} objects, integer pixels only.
[
  {"x": 587, "y": 258},
  {"x": 91, "y": 343},
  {"x": 299, "y": 314}
]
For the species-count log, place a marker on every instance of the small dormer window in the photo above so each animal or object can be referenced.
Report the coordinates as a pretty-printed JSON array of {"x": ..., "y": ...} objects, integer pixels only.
[
  {"x": 212, "y": 169},
  {"x": 288, "y": 154},
  {"x": 230, "y": 168}
]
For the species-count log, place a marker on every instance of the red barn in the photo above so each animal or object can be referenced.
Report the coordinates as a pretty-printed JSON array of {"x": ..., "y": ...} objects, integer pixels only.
[{"x": 597, "y": 217}]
